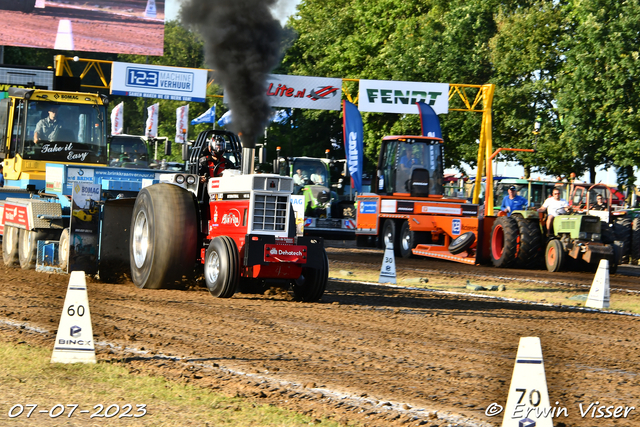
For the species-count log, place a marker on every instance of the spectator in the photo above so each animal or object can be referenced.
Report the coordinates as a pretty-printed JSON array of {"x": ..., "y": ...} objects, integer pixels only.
[
  {"x": 554, "y": 206},
  {"x": 514, "y": 202},
  {"x": 1, "y": 175}
]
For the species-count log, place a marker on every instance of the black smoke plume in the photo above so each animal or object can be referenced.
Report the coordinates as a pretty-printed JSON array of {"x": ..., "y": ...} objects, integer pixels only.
[{"x": 242, "y": 45}]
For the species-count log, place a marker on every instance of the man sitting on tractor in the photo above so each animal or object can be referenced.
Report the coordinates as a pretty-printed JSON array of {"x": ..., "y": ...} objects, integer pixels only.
[
  {"x": 600, "y": 204},
  {"x": 212, "y": 161},
  {"x": 554, "y": 206},
  {"x": 514, "y": 202}
]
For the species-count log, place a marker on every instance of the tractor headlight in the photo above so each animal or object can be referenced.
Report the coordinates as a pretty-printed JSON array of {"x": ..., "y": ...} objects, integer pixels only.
[
  {"x": 180, "y": 179},
  {"x": 582, "y": 235},
  {"x": 596, "y": 237},
  {"x": 191, "y": 179}
]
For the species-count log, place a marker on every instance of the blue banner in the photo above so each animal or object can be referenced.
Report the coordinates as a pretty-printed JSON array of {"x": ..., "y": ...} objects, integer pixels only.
[
  {"x": 429, "y": 120},
  {"x": 208, "y": 116},
  {"x": 352, "y": 129},
  {"x": 225, "y": 119}
]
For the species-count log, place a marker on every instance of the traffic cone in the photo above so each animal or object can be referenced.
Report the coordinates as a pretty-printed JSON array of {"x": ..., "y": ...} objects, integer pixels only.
[
  {"x": 599, "y": 293},
  {"x": 150, "y": 11},
  {"x": 64, "y": 38},
  {"x": 388, "y": 269},
  {"x": 74, "y": 340},
  {"x": 528, "y": 400}
]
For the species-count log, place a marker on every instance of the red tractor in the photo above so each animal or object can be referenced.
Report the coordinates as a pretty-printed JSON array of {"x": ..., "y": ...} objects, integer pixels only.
[{"x": 240, "y": 227}]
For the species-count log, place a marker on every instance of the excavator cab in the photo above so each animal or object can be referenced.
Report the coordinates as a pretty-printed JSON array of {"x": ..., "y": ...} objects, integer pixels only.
[{"x": 411, "y": 165}]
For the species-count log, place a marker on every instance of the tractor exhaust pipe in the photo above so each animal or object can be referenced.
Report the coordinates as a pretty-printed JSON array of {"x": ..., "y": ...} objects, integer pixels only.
[
  {"x": 248, "y": 154},
  {"x": 248, "y": 160}
]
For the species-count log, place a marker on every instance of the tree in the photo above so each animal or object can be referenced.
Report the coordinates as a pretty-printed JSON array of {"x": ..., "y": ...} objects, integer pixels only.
[
  {"x": 598, "y": 93},
  {"x": 182, "y": 48}
]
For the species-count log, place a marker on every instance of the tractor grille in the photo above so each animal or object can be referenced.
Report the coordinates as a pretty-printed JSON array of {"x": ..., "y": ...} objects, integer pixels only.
[
  {"x": 590, "y": 224},
  {"x": 270, "y": 213}
]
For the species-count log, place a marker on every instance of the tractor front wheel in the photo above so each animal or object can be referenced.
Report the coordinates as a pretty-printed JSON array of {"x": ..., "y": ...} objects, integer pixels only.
[
  {"x": 555, "y": 256},
  {"x": 221, "y": 267}
]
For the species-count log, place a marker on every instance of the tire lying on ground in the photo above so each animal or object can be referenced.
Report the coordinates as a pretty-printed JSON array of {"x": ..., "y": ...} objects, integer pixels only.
[
  {"x": 504, "y": 241},
  {"x": 163, "y": 237}
]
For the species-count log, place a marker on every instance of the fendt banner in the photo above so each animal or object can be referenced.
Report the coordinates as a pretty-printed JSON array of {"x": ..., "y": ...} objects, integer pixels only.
[
  {"x": 385, "y": 96},
  {"x": 158, "y": 81},
  {"x": 313, "y": 93}
]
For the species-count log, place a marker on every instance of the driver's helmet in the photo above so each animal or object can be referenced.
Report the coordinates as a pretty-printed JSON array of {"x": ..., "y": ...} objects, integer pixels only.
[{"x": 217, "y": 144}]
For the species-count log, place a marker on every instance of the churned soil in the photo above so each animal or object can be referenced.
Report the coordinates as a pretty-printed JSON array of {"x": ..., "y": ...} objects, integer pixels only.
[
  {"x": 365, "y": 354},
  {"x": 99, "y": 26}
]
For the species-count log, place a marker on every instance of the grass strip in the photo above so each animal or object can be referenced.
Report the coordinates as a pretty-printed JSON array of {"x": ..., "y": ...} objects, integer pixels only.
[{"x": 28, "y": 378}]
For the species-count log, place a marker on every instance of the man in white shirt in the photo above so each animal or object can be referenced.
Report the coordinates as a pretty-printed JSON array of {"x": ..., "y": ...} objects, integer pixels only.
[
  {"x": 298, "y": 178},
  {"x": 554, "y": 206}
]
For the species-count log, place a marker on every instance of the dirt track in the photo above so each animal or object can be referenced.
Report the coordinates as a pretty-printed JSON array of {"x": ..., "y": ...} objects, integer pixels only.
[
  {"x": 369, "y": 354},
  {"x": 101, "y": 26}
]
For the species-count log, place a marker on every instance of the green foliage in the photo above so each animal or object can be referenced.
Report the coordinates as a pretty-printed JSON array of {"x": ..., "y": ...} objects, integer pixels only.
[{"x": 182, "y": 48}]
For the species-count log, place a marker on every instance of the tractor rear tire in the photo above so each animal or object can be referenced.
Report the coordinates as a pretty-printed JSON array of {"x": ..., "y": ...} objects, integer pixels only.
[
  {"x": 163, "y": 237},
  {"x": 409, "y": 240},
  {"x": 10, "y": 246},
  {"x": 222, "y": 267},
  {"x": 390, "y": 235},
  {"x": 554, "y": 256},
  {"x": 530, "y": 248},
  {"x": 635, "y": 241},
  {"x": 504, "y": 242},
  {"x": 313, "y": 281},
  {"x": 462, "y": 243},
  {"x": 28, "y": 247},
  {"x": 622, "y": 231}
]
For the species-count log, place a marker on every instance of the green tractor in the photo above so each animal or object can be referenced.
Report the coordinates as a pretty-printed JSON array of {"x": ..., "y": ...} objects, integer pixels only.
[{"x": 520, "y": 240}]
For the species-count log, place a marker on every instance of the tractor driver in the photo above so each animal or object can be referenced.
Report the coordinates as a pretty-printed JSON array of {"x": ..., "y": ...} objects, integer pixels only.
[
  {"x": 47, "y": 127},
  {"x": 554, "y": 206},
  {"x": 513, "y": 202},
  {"x": 212, "y": 161}
]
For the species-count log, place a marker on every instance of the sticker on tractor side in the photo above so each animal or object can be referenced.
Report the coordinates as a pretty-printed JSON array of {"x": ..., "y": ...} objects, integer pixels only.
[
  {"x": 285, "y": 253},
  {"x": 368, "y": 207},
  {"x": 456, "y": 226}
]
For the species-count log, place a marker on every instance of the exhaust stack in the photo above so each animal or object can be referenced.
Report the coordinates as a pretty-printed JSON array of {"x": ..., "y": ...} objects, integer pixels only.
[
  {"x": 248, "y": 154},
  {"x": 247, "y": 160}
]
